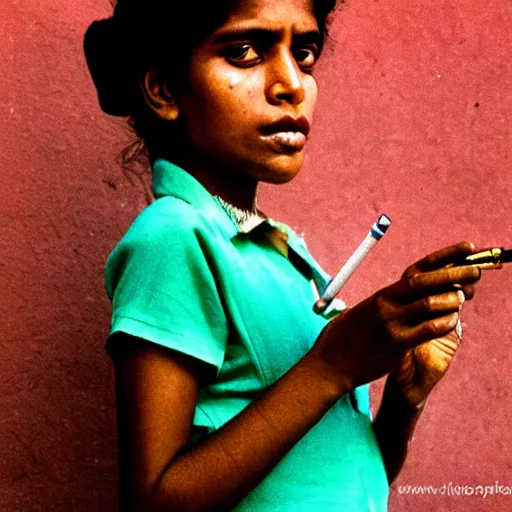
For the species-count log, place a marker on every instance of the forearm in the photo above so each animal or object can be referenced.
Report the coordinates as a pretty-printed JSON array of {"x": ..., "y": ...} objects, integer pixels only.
[
  {"x": 220, "y": 471},
  {"x": 394, "y": 427}
]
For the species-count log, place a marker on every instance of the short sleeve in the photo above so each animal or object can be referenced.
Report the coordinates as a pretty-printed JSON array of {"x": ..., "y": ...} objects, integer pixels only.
[{"x": 163, "y": 289}]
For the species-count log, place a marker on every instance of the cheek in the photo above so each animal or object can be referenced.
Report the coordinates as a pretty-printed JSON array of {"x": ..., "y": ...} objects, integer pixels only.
[
  {"x": 234, "y": 80},
  {"x": 311, "y": 88},
  {"x": 236, "y": 98},
  {"x": 230, "y": 92},
  {"x": 238, "y": 88}
]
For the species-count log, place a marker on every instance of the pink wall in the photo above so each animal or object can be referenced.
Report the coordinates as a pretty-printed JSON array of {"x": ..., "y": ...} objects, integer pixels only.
[{"x": 414, "y": 120}]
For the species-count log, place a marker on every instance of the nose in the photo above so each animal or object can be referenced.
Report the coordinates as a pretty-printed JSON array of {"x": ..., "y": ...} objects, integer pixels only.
[{"x": 285, "y": 80}]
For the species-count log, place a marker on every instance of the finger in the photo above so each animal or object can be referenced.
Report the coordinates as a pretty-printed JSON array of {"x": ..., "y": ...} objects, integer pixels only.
[
  {"x": 411, "y": 336},
  {"x": 319, "y": 306},
  {"x": 450, "y": 340},
  {"x": 431, "y": 307},
  {"x": 442, "y": 257},
  {"x": 447, "y": 343},
  {"x": 431, "y": 283},
  {"x": 458, "y": 331},
  {"x": 469, "y": 291}
]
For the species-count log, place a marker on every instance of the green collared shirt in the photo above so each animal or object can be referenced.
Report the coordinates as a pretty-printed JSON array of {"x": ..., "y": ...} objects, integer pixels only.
[{"x": 186, "y": 276}]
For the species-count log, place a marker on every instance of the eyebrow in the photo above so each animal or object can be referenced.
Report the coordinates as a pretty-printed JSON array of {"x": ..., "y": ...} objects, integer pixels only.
[{"x": 265, "y": 35}]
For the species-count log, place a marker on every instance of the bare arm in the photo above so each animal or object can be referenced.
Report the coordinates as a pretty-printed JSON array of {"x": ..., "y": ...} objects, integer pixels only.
[
  {"x": 394, "y": 426},
  {"x": 418, "y": 372},
  {"x": 157, "y": 391}
]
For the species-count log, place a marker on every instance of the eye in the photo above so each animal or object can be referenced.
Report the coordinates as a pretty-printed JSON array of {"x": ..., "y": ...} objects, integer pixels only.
[
  {"x": 306, "y": 57},
  {"x": 243, "y": 55}
]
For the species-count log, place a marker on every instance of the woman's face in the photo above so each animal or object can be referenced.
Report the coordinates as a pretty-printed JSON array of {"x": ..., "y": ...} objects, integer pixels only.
[{"x": 251, "y": 98}]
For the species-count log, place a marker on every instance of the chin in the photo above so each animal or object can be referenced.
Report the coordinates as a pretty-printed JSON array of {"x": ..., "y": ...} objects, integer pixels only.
[
  {"x": 277, "y": 179},
  {"x": 281, "y": 170}
]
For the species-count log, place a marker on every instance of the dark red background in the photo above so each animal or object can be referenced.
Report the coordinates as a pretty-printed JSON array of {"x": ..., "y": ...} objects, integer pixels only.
[{"x": 413, "y": 120}]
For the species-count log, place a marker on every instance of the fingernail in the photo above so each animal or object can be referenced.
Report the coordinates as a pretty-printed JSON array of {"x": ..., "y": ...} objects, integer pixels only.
[
  {"x": 319, "y": 306},
  {"x": 458, "y": 329},
  {"x": 461, "y": 296}
]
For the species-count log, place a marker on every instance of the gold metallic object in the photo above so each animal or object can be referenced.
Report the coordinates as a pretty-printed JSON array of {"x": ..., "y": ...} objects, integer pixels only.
[{"x": 488, "y": 259}]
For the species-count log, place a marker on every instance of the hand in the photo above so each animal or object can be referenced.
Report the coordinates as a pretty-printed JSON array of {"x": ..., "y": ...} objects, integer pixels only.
[
  {"x": 386, "y": 332},
  {"x": 422, "y": 367}
]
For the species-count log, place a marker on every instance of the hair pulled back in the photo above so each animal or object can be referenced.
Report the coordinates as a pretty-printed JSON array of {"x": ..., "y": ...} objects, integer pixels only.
[{"x": 161, "y": 34}]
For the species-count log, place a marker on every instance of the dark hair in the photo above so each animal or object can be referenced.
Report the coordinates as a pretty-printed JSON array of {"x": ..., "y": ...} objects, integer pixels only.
[{"x": 143, "y": 34}]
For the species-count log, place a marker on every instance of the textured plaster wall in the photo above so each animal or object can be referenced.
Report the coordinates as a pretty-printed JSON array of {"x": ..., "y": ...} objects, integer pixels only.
[{"x": 414, "y": 120}]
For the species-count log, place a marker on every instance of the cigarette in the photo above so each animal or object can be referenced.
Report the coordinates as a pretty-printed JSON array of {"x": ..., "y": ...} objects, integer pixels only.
[
  {"x": 377, "y": 231},
  {"x": 488, "y": 258}
]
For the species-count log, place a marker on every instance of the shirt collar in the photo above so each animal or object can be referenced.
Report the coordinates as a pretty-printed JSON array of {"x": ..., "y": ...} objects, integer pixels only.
[
  {"x": 244, "y": 220},
  {"x": 171, "y": 180}
]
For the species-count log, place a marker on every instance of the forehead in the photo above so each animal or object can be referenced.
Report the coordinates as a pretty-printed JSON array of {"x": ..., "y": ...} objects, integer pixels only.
[{"x": 274, "y": 13}]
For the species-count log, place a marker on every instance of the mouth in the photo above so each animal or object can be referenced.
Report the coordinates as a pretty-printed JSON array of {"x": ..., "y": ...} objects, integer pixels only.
[
  {"x": 287, "y": 135},
  {"x": 288, "y": 142},
  {"x": 288, "y": 124}
]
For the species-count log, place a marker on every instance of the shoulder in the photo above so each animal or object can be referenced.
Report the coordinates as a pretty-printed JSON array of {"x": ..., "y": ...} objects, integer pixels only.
[
  {"x": 169, "y": 236},
  {"x": 169, "y": 225},
  {"x": 167, "y": 215}
]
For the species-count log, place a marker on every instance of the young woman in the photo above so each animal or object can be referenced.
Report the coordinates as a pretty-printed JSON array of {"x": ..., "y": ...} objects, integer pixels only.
[{"x": 232, "y": 393}]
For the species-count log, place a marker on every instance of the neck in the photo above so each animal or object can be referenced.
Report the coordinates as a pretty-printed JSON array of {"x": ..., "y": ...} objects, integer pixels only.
[{"x": 236, "y": 189}]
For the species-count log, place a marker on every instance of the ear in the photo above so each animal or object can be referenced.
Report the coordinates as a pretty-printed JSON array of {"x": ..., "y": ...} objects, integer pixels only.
[{"x": 158, "y": 95}]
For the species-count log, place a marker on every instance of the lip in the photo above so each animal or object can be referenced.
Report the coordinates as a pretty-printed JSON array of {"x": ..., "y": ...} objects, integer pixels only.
[
  {"x": 285, "y": 142},
  {"x": 288, "y": 124}
]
